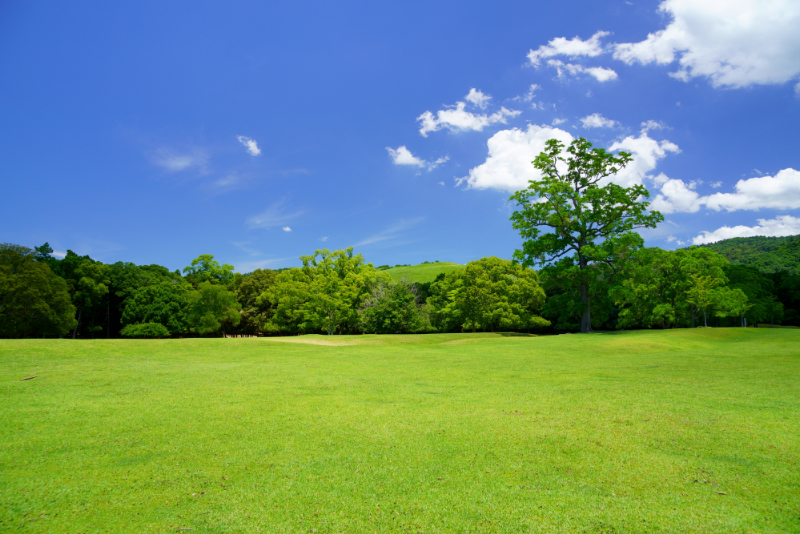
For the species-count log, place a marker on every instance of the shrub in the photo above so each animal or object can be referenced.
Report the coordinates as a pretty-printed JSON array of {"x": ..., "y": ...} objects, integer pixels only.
[{"x": 151, "y": 330}]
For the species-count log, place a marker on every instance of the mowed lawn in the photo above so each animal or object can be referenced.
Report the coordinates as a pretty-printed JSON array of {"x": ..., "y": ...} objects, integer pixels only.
[{"x": 662, "y": 431}]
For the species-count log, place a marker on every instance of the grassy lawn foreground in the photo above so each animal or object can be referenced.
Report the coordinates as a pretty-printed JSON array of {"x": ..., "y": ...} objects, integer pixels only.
[{"x": 668, "y": 431}]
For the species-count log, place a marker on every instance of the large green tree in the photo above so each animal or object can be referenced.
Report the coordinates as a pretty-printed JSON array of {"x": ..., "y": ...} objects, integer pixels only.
[
  {"x": 205, "y": 268},
  {"x": 91, "y": 281},
  {"x": 212, "y": 308},
  {"x": 33, "y": 300},
  {"x": 391, "y": 308},
  {"x": 490, "y": 294},
  {"x": 666, "y": 288},
  {"x": 248, "y": 288},
  {"x": 324, "y": 295},
  {"x": 581, "y": 207},
  {"x": 164, "y": 303}
]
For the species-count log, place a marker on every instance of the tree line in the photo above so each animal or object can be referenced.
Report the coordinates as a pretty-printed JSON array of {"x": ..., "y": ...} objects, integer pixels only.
[{"x": 578, "y": 228}]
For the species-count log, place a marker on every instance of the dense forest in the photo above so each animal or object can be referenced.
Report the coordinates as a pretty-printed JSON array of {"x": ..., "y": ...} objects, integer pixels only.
[
  {"x": 767, "y": 254},
  {"x": 340, "y": 293}
]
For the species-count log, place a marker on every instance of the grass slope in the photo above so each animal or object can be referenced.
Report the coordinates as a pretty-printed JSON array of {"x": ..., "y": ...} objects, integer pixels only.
[
  {"x": 668, "y": 431},
  {"x": 423, "y": 273}
]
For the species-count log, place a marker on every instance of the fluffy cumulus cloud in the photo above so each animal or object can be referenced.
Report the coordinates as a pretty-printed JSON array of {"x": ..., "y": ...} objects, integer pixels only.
[
  {"x": 457, "y": 118},
  {"x": 601, "y": 74},
  {"x": 508, "y": 166},
  {"x": 646, "y": 154},
  {"x": 781, "y": 192},
  {"x": 734, "y": 43},
  {"x": 780, "y": 226},
  {"x": 250, "y": 145},
  {"x": 478, "y": 98},
  {"x": 575, "y": 47},
  {"x": 595, "y": 120},
  {"x": 572, "y": 48},
  {"x": 403, "y": 156}
]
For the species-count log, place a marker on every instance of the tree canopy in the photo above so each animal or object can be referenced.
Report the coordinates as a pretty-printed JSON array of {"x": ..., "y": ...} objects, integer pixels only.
[{"x": 587, "y": 214}]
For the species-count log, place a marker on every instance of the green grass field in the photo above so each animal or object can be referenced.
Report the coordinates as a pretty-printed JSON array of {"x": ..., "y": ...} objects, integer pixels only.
[
  {"x": 423, "y": 273},
  {"x": 668, "y": 431}
]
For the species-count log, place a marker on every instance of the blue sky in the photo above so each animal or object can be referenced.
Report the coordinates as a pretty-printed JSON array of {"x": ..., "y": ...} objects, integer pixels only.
[{"x": 153, "y": 132}]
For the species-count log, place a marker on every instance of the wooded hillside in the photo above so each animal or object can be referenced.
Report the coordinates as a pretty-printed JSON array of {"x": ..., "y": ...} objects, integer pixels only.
[{"x": 767, "y": 254}]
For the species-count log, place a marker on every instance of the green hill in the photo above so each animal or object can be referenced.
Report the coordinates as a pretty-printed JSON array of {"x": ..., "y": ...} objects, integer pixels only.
[
  {"x": 767, "y": 254},
  {"x": 422, "y": 273}
]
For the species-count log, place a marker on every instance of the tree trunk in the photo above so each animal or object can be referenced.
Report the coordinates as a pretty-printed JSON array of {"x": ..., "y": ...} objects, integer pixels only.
[
  {"x": 692, "y": 314},
  {"x": 75, "y": 332},
  {"x": 586, "y": 319},
  {"x": 705, "y": 319}
]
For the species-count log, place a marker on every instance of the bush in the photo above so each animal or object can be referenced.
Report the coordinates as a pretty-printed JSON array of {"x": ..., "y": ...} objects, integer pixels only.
[{"x": 151, "y": 330}]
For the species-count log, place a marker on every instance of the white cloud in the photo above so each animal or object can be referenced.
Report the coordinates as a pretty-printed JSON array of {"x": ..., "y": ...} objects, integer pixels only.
[
  {"x": 715, "y": 185},
  {"x": 527, "y": 97},
  {"x": 561, "y": 46},
  {"x": 273, "y": 216},
  {"x": 653, "y": 125},
  {"x": 250, "y": 145},
  {"x": 601, "y": 74},
  {"x": 780, "y": 226},
  {"x": 781, "y": 191},
  {"x": 403, "y": 156},
  {"x": 323, "y": 238},
  {"x": 457, "y": 119},
  {"x": 438, "y": 162},
  {"x": 556, "y": 122},
  {"x": 676, "y": 196},
  {"x": 646, "y": 153},
  {"x": 57, "y": 254},
  {"x": 478, "y": 98},
  {"x": 508, "y": 166},
  {"x": 595, "y": 120},
  {"x": 441, "y": 183},
  {"x": 175, "y": 161},
  {"x": 286, "y": 229},
  {"x": 734, "y": 43}
]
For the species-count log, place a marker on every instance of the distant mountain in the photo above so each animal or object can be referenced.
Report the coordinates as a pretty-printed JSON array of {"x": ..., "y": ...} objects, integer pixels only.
[{"x": 767, "y": 254}]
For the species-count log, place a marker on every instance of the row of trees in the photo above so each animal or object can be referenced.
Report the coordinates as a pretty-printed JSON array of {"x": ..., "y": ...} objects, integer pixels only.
[
  {"x": 333, "y": 293},
  {"x": 577, "y": 225}
]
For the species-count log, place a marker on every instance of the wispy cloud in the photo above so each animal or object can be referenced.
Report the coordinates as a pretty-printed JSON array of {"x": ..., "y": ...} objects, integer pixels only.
[
  {"x": 286, "y": 229},
  {"x": 250, "y": 144},
  {"x": 244, "y": 247},
  {"x": 391, "y": 232},
  {"x": 174, "y": 161},
  {"x": 274, "y": 216}
]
